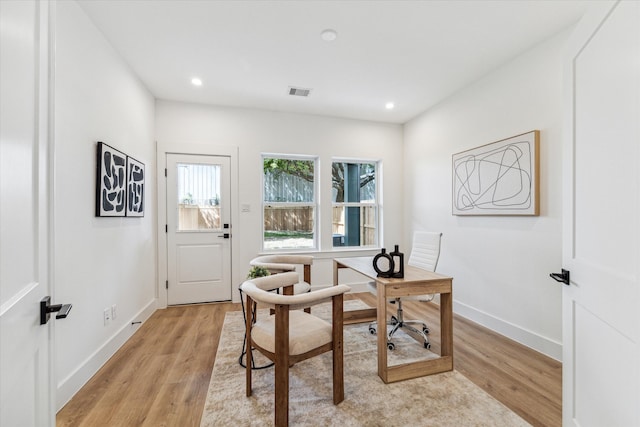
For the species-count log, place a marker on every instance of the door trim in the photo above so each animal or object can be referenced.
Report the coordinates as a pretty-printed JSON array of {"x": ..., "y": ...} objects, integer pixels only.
[{"x": 162, "y": 149}]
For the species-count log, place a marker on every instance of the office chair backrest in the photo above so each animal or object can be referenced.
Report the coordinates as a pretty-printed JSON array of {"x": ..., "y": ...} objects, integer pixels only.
[{"x": 425, "y": 250}]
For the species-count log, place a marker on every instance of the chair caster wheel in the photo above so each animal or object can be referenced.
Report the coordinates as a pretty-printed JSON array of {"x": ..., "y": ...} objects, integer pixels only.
[
  {"x": 372, "y": 331},
  {"x": 425, "y": 330},
  {"x": 394, "y": 320},
  {"x": 391, "y": 346},
  {"x": 427, "y": 345}
]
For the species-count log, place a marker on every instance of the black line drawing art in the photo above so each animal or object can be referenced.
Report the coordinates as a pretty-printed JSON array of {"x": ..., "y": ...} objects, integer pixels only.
[{"x": 500, "y": 178}]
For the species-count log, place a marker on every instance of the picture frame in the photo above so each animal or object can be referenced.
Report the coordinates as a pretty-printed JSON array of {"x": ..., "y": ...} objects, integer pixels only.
[
  {"x": 110, "y": 182},
  {"x": 135, "y": 187},
  {"x": 499, "y": 178}
]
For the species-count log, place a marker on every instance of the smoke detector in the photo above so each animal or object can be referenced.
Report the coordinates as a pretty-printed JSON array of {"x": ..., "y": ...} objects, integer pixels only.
[{"x": 299, "y": 91}]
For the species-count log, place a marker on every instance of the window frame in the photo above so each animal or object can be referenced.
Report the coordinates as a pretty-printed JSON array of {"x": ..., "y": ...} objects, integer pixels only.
[
  {"x": 315, "y": 205},
  {"x": 377, "y": 204}
]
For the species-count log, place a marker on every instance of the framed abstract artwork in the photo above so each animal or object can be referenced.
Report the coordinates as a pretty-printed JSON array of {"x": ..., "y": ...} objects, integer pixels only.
[
  {"x": 111, "y": 181},
  {"x": 135, "y": 187},
  {"x": 500, "y": 178}
]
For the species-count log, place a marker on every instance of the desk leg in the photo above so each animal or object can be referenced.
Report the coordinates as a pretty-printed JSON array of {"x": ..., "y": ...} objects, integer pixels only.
[
  {"x": 446, "y": 324},
  {"x": 382, "y": 332}
]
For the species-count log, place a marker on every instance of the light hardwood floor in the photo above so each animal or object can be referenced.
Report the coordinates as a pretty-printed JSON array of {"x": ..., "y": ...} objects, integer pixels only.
[{"x": 161, "y": 375}]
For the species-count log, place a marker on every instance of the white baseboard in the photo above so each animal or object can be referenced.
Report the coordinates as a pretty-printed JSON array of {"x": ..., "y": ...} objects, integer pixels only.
[
  {"x": 525, "y": 337},
  {"x": 70, "y": 385}
]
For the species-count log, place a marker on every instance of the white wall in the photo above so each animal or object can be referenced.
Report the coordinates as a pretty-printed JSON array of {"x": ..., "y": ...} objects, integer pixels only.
[
  {"x": 254, "y": 132},
  {"x": 98, "y": 261},
  {"x": 500, "y": 265}
]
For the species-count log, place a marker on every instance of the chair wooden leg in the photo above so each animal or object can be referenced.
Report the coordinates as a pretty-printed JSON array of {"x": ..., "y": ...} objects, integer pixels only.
[
  {"x": 249, "y": 355},
  {"x": 338, "y": 349},
  {"x": 282, "y": 366}
]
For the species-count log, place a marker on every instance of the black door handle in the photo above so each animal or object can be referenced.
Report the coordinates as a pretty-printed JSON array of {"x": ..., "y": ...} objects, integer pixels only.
[
  {"x": 563, "y": 277},
  {"x": 46, "y": 309}
]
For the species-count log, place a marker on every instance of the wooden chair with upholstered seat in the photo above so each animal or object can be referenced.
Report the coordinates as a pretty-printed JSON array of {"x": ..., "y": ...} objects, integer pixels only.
[
  {"x": 292, "y": 335},
  {"x": 283, "y": 263},
  {"x": 276, "y": 264}
]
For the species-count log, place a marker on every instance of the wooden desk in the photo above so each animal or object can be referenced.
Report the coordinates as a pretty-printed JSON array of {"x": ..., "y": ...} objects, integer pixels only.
[{"x": 415, "y": 282}]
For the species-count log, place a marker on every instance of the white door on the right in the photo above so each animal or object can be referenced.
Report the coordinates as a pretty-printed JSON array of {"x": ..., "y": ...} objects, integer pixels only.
[{"x": 601, "y": 229}]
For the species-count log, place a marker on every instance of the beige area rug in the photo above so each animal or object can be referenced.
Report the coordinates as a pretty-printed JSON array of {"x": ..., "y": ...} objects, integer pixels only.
[{"x": 447, "y": 399}]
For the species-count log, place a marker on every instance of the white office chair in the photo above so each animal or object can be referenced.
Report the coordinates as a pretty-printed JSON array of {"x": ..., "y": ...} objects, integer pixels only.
[{"x": 425, "y": 253}]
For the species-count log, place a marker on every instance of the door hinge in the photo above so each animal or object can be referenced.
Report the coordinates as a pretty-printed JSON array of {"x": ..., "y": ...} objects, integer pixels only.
[
  {"x": 166, "y": 228},
  {"x": 166, "y": 285},
  {"x": 165, "y": 171}
]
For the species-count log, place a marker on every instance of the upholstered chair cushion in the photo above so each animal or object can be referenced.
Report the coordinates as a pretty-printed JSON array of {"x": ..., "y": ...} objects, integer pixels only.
[{"x": 306, "y": 332}]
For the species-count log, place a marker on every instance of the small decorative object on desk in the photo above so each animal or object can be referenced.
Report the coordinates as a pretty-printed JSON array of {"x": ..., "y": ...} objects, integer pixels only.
[
  {"x": 387, "y": 261},
  {"x": 398, "y": 260},
  {"x": 257, "y": 271}
]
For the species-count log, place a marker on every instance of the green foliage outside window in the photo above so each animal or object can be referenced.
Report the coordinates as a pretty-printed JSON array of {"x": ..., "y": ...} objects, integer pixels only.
[{"x": 304, "y": 169}]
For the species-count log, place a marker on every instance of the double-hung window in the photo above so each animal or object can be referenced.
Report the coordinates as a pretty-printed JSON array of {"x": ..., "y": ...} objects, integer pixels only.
[
  {"x": 355, "y": 203},
  {"x": 289, "y": 202}
]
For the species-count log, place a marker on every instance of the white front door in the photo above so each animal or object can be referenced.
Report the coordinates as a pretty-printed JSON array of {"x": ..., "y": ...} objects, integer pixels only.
[
  {"x": 198, "y": 228},
  {"x": 601, "y": 227},
  {"x": 26, "y": 380}
]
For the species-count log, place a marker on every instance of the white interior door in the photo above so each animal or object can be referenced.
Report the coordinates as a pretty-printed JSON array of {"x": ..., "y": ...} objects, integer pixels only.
[
  {"x": 198, "y": 228},
  {"x": 26, "y": 381},
  {"x": 601, "y": 230}
]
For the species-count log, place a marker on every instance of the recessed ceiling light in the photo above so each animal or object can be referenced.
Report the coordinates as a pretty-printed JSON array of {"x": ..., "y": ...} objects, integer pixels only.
[
  {"x": 196, "y": 81},
  {"x": 329, "y": 35},
  {"x": 389, "y": 105}
]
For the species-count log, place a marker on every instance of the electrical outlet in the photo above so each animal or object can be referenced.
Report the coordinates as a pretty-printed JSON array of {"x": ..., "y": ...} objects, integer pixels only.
[
  {"x": 107, "y": 316},
  {"x": 114, "y": 312}
]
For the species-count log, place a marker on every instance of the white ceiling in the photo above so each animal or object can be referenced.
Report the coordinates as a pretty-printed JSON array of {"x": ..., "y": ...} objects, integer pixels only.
[{"x": 248, "y": 53}]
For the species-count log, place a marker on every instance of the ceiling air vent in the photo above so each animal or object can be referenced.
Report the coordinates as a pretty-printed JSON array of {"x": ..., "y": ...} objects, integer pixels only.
[{"x": 298, "y": 91}]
